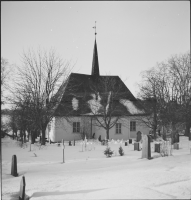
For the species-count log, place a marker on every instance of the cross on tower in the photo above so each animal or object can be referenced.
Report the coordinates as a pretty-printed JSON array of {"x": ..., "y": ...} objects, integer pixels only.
[{"x": 95, "y": 29}]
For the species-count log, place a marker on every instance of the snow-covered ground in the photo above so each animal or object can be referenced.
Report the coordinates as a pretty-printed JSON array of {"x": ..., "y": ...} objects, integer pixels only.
[{"x": 90, "y": 175}]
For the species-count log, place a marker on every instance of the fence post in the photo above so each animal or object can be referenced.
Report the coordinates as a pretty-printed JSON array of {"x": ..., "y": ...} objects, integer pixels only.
[{"x": 63, "y": 148}]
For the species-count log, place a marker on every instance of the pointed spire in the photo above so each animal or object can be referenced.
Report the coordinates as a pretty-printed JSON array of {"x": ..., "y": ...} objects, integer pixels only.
[{"x": 95, "y": 62}]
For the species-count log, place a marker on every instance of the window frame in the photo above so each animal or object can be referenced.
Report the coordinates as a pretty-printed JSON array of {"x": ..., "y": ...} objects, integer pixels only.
[
  {"x": 76, "y": 127},
  {"x": 132, "y": 125},
  {"x": 118, "y": 128}
]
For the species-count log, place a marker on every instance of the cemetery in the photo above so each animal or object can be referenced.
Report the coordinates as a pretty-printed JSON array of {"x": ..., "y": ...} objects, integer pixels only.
[
  {"x": 80, "y": 169},
  {"x": 75, "y": 125}
]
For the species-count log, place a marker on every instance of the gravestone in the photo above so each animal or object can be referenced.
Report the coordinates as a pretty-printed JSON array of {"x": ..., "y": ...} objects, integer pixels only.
[
  {"x": 176, "y": 146},
  {"x": 145, "y": 147},
  {"x": 22, "y": 189},
  {"x": 70, "y": 143},
  {"x": 125, "y": 143},
  {"x": 14, "y": 166},
  {"x": 136, "y": 146},
  {"x": 139, "y": 136},
  {"x": 157, "y": 148}
]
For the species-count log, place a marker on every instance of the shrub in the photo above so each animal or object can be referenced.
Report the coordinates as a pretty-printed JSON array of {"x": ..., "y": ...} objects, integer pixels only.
[
  {"x": 108, "y": 152},
  {"x": 121, "y": 152}
]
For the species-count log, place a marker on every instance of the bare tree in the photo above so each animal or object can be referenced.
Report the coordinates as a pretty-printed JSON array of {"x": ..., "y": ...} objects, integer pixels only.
[
  {"x": 5, "y": 73},
  {"x": 169, "y": 85},
  {"x": 37, "y": 82},
  {"x": 106, "y": 106},
  {"x": 180, "y": 71},
  {"x": 149, "y": 89}
]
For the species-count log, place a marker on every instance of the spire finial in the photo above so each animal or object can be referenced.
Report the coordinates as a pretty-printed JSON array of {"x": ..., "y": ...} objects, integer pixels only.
[{"x": 95, "y": 29}]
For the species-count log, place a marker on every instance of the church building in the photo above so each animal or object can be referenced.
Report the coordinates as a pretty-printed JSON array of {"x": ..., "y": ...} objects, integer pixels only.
[{"x": 95, "y": 105}]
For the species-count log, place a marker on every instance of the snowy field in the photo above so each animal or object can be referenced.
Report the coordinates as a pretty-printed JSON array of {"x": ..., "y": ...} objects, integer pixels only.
[{"x": 90, "y": 175}]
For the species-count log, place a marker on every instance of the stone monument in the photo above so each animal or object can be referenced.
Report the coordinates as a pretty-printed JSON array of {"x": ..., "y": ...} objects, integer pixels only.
[{"x": 145, "y": 147}]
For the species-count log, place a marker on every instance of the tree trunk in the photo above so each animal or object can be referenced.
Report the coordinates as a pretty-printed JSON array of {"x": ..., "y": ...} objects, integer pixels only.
[
  {"x": 154, "y": 131},
  {"x": 107, "y": 134},
  {"x": 24, "y": 134},
  {"x": 43, "y": 136},
  {"x": 32, "y": 137},
  {"x": 16, "y": 134},
  {"x": 187, "y": 131}
]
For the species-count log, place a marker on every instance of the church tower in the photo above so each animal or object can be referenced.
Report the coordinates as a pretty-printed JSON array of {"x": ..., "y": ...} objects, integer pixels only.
[{"x": 95, "y": 62}]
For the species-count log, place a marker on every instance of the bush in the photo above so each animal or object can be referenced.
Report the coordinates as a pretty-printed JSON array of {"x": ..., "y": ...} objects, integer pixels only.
[
  {"x": 121, "y": 152},
  {"x": 108, "y": 152}
]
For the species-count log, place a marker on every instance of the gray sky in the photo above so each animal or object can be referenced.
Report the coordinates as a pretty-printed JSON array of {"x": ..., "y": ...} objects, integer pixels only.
[{"x": 132, "y": 36}]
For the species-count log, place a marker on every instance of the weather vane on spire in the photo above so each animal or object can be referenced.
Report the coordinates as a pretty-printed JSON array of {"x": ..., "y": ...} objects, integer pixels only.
[{"x": 95, "y": 29}]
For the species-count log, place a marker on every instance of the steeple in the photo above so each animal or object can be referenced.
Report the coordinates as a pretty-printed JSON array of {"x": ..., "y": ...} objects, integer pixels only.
[{"x": 95, "y": 62}]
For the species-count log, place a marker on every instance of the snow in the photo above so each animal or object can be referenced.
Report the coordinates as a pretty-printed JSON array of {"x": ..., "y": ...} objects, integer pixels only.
[
  {"x": 108, "y": 101},
  {"x": 131, "y": 107},
  {"x": 95, "y": 103},
  {"x": 75, "y": 103},
  {"x": 90, "y": 175}
]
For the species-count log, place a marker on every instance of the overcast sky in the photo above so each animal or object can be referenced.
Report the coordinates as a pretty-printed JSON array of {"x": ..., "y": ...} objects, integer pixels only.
[{"x": 132, "y": 36}]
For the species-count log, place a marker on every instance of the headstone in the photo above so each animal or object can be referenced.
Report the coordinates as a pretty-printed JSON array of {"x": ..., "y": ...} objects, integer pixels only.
[
  {"x": 22, "y": 189},
  {"x": 176, "y": 146},
  {"x": 157, "y": 148},
  {"x": 149, "y": 147},
  {"x": 136, "y": 146},
  {"x": 145, "y": 147},
  {"x": 125, "y": 143},
  {"x": 14, "y": 166},
  {"x": 139, "y": 136},
  {"x": 70, "y": 143},
  {"x": 130, "y": 141}
]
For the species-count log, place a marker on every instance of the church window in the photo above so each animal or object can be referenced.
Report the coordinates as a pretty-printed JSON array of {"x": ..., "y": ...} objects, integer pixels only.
[
  {"x": 132, "y": 126},
  {"x": 76, "y": 127},
  {"x": 118, "y": 128}
]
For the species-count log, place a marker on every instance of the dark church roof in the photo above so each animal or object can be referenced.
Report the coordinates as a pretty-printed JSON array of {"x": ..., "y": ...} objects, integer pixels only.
[{"x": 77, "y": 95}]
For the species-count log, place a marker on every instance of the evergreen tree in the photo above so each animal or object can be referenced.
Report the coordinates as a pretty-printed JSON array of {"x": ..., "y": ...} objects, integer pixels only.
[
  {"x": 108, "y": 152},
  {"x": 121, "y": 152}
]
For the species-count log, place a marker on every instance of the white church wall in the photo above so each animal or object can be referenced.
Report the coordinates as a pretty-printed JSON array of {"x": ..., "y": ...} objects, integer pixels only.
[
  {"x": 125, "y": 134},
  {"x": 139, "y": 127},
  {"x": 62, "y": 129}
]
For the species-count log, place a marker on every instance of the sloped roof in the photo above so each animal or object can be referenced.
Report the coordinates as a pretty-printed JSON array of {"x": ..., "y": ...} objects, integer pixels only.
[{"x": 76, "y": 95}]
